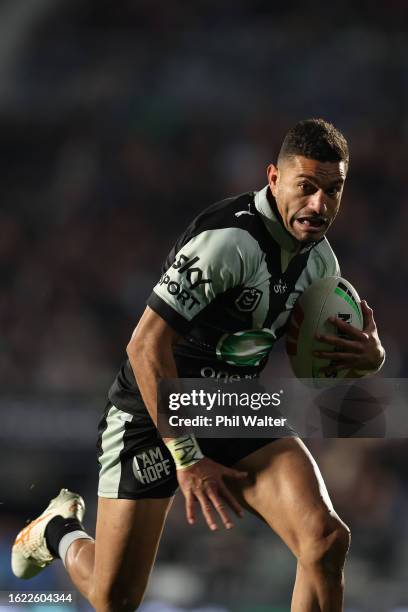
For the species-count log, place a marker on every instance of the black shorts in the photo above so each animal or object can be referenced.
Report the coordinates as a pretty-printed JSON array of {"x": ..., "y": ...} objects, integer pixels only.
[{"x": 135, "y": 463}]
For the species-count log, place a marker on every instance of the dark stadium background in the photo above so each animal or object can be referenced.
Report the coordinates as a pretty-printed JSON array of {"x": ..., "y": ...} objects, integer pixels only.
[{"x": 119, "y": 122}]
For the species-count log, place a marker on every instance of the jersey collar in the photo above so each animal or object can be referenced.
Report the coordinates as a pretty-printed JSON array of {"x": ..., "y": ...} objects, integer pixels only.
[{"x": 270, "y": 216}]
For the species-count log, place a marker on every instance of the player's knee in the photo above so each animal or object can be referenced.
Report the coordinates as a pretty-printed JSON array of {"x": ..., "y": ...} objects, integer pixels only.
[
  {"x": 326, "y": 546},
  {"x": 333, "y": 560}
]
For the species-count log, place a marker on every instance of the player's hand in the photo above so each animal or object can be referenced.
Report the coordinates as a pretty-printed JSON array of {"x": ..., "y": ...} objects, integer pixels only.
[
  {"x": 361, "y": 350},
  {"x": 204, "y": 482}
]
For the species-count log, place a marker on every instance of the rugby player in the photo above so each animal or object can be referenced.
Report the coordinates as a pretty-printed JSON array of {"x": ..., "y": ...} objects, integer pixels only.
[{"x": 218, "y": 281}]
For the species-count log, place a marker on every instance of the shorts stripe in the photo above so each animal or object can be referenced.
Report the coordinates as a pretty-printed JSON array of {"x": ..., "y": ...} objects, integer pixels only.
[{"x": 112, "y": 443}]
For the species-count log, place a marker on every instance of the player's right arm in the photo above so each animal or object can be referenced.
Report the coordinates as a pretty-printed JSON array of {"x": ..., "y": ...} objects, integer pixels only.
[{"x": 150, "y": 353}]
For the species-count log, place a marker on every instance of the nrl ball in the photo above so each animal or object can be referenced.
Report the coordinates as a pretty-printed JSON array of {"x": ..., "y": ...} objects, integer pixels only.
[{"x": 328, "y": 297}]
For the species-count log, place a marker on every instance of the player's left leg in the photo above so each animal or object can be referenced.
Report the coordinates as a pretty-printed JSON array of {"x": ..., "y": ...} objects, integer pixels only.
[
  {"x": 112, "y": 572},
  {"x": 286, "y": 489}
]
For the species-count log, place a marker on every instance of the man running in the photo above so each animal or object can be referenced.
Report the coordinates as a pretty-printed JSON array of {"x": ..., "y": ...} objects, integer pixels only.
[{"x": 214, "y": 313}]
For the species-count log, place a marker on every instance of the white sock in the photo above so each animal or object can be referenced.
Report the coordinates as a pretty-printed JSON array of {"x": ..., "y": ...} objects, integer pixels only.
[{"x": 68, "y": 539}]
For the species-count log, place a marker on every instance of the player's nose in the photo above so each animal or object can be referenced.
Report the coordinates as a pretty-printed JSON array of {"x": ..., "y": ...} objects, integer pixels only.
[{"x": 317, "y": 203}]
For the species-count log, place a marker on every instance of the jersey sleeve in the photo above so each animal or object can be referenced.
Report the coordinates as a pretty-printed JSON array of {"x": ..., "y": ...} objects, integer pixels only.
[{"x": 207, "y": 266}]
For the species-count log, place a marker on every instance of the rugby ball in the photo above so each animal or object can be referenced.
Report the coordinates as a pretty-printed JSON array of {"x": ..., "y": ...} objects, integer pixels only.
[{"x": 326, "y": 297}]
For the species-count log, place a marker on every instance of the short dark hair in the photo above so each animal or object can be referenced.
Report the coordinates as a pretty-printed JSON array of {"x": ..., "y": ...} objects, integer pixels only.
[{"x": 315, "y": 139}]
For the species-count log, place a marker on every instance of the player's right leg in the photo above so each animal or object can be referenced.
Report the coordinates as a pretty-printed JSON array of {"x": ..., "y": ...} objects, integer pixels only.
[{"x": 286, "y": 489}]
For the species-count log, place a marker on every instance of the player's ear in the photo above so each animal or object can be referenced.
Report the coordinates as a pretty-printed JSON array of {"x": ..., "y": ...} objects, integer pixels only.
[{"x": 272, "y": 173}]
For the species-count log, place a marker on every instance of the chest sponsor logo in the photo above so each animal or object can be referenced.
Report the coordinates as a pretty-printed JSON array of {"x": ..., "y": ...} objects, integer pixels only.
[
  {"x": 150, "y": 466},
  {"x": 248, "y": 300},
  {"x": 249, "y": 347},
  {"x": 209, "y": 372},
  {"x": 194, "y": 274}
]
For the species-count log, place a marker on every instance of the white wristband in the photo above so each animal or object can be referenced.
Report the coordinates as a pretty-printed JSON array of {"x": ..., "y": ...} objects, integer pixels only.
[{"x": 185, "y": 451}]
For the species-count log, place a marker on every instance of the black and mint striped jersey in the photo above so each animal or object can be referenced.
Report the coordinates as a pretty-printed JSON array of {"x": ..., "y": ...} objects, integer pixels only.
[{"x": 228, "y": 287}]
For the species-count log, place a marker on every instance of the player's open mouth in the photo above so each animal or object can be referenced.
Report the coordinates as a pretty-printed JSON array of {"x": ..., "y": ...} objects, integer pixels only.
[{"x": 311, "y": 224}]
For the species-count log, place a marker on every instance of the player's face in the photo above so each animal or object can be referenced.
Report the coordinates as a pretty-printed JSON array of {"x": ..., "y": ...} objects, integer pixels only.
[{"x": 308, "y": 195}]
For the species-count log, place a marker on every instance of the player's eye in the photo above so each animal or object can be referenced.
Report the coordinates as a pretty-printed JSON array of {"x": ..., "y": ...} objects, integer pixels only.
[
  {"x": 306, "y": 188},
  {"x": 333, "y": 191}
]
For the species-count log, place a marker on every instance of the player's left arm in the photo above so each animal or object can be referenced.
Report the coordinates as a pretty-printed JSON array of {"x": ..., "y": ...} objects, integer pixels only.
[{"x": 361, "y": 352}]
